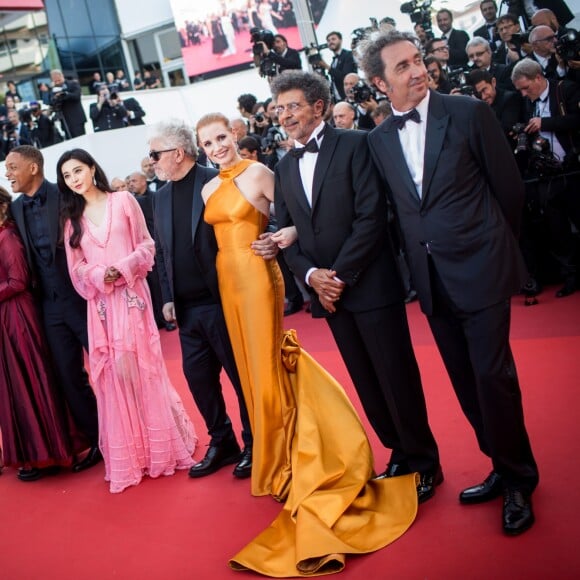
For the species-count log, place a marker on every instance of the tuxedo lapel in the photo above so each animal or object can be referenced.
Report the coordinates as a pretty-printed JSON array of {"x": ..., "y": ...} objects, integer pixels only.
[
  {"x": 392, "y": 148},
  {"x": 323, "y": 162},
  {"x": 198, "y": 204},
  {"x": 52, "y": 206},
  {"x": 164, "y": 203},
  {"x": 295, "y": 184},
  {"x": 437, "y": 120}
]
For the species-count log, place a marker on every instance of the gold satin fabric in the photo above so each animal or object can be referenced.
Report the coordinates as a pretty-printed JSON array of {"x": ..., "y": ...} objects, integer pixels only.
[{"x": 310, "y": 448}]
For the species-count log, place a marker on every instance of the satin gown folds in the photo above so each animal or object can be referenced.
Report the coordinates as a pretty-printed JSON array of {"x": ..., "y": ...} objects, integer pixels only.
[
  {"x": 143, "y": 426},
  {"x": 310, "y": 449},
  {"x": 33, "y": 419}
]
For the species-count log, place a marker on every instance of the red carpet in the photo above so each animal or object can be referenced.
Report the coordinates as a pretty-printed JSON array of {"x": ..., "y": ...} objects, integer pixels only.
[{"x": 70, "y": 528}]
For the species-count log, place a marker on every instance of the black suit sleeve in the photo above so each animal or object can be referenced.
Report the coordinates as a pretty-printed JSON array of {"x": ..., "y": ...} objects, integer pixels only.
[
  {"x": 497, "y": 163},
  {"x": 166, "y": 293},
  {"x": 570, "y": 122},
  {"x": 370, "y": 217}
]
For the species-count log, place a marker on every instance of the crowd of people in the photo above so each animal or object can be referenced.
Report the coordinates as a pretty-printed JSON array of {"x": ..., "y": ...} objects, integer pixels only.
[{"x": 358, "y": 194}]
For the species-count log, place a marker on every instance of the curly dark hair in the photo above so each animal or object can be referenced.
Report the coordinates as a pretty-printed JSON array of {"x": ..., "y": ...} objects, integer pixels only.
[
  {"x": 73, "y": 205},
  {"x": 313, "y": 86}
]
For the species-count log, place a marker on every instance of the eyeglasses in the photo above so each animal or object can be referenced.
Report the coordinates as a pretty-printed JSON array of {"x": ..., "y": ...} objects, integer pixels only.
[
  {"x": 476, "y": 54},
  {"x": 440, "y": 48},
  {"x": 156, "y": 155},
  {"x": 546, "y": 39},
  {"x": 290, "y": 107}
]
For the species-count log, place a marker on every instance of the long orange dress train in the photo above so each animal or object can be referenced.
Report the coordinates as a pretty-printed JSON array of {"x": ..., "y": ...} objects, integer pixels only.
[{"x": 310, "y": 448}]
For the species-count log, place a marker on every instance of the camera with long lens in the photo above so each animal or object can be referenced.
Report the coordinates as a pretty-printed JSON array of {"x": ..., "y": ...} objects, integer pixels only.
[
  {"x": 568, "y": 45},
  {"x": 459, "y": 80},
  {"x": 361, "y": 92},
  {"x": 541, "y": 161},
  {"x": 271, "y": 140},
  {"x": 314, "y": 57},
  {"x": 419, "y": 13}
]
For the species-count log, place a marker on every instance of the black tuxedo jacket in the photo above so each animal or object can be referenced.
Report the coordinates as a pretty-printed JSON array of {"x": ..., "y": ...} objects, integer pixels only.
[
  {"x": 469, "y": 215},
  {"x": 483, "y": 32},
  {"x": 346, "y": 227},
  {"x": 204, "y": 242},
  {"x": 58, "y": 264},
  {"x": 340, "y": 67},
  {"x": 457, "y": 41},
  {"x": 291, "y": 60},
  {"x": 564, "y": 120}
]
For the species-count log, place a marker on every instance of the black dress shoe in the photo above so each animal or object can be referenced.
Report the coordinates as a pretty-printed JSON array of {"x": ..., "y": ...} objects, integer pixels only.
[
  {"x": 394, "y": 470},
  {"x": 36, "y": 473},
  {"x": 216, "y": 458},
  {"x": 427, "y": 483},
  {"x": 92, "y": 458},
  {"x": 568, "y": 288},
  {"x": 489, "y": 489},
  {"x": 293, "y": 307},
  {"x": 170, "y": 326},
  {"x": 517, "y": 512},
  {"x": 244, "y": 467}
]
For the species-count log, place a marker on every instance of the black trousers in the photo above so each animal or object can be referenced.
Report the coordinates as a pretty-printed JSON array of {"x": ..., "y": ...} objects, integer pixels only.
[
  {"x": 205, "y": 349},
  {"x": 476, "y": 352},
  {"x": 65, "y": 326},
  {"x": 377, "y": 350}
]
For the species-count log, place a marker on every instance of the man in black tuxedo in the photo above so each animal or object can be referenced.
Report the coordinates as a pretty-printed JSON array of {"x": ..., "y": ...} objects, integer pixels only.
[
  {"x": 64, "y": 312},
  {"x": 488, "y": 30},
  {"x": 459, "y": 200},
  {"x": 281, "y": 54},
  {"x": 344, "y": 255},
  {"x": 456, "y": 39},
  {"x": 341, "y": 65},
  {"x": 186, "y": 254},
  {"x": 65, "y": 99},
  {"x": 552, "y": 112},
  {"x": 153, "y": 182},
  {"x": 543, "y": 40}
]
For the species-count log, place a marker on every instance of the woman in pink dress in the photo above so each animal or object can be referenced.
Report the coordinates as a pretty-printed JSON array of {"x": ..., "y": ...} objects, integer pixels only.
[{"x": 143, "y": 427}]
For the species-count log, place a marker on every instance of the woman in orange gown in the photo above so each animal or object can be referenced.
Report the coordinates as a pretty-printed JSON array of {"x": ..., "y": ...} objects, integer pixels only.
[{"x": 310, "y": 449}]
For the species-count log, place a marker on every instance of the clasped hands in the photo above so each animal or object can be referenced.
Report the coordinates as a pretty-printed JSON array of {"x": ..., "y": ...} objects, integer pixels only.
[
  {"x": 328, "y": 288},
  {"x": 111, "y": 275}
]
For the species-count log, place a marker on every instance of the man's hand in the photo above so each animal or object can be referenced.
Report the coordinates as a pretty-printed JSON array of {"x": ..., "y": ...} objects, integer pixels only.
[
  {"x": 168, "y": 311},
  {"x": 264, "y": 246},
  {"x": 324, "y": 284},
  {"x": 534, "y": 125},
  {"x": 327, "y": 305}
]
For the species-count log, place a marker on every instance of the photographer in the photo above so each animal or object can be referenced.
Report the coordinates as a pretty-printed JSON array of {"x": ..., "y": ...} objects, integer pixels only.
[
  {"x": 65, "y": 101},
  {"x": 507, "y": 105},
  {"x": 363, "y": 100},
  {"x": 283, "y": 57},
  {"x": 41, "y": 127},
  {"x": 342, "y": 64},
  {"x": 14, "y": 132},
  {"x": 553, "y": 122},
  {"x": 511, "y": 49},
  {"x": 438, "y": 80},
  {"x": 479, "y": 53},
  {"x": 108, "y": 112}
]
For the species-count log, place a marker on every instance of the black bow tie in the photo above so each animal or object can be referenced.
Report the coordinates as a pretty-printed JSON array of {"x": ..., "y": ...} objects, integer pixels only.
[
  {"x": 398, "y": 121},
  {"x": 37, "y": 199},
  {"x": 310, "y": 147}
]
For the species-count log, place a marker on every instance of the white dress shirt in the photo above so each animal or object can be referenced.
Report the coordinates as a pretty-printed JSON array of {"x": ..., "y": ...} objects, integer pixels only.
[{"x": 412, "y": 137}]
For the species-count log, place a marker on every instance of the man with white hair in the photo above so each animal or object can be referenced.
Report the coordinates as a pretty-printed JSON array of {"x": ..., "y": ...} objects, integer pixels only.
[
  {"x": 185, "y": 258},
  {"x": 344, "y": 116}
]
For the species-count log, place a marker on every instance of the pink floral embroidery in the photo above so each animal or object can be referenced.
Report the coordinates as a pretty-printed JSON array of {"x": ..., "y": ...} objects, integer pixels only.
[{"x": 133, "y": 301}]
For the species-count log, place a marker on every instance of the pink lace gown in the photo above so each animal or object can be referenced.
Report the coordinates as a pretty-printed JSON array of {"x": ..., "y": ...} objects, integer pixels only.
[{"x": 143, "y": 426}]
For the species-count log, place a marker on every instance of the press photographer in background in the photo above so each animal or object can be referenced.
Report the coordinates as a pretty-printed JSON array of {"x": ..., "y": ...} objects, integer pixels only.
[
  {"x": 550, "y": 139},
  {"x": 363, "y": 99},
  {"x": 14, "y": 132},
  {"x": 65, "y": 100},
  {"x": 108, "y": 112},
  {"x": 40, "y": 126},
  {"x": 272, "y": 54}
]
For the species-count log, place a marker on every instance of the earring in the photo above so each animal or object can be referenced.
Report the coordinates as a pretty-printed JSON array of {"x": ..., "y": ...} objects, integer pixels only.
[{"x": 94, "y": 180}]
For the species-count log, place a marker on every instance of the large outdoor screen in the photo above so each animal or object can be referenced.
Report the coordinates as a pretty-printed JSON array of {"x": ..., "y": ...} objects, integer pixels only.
[{"x": 215, "y": 34}]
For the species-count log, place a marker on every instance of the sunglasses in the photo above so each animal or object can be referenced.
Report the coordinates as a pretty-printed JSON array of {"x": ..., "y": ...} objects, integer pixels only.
[{"x": 156, "y": 155}]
